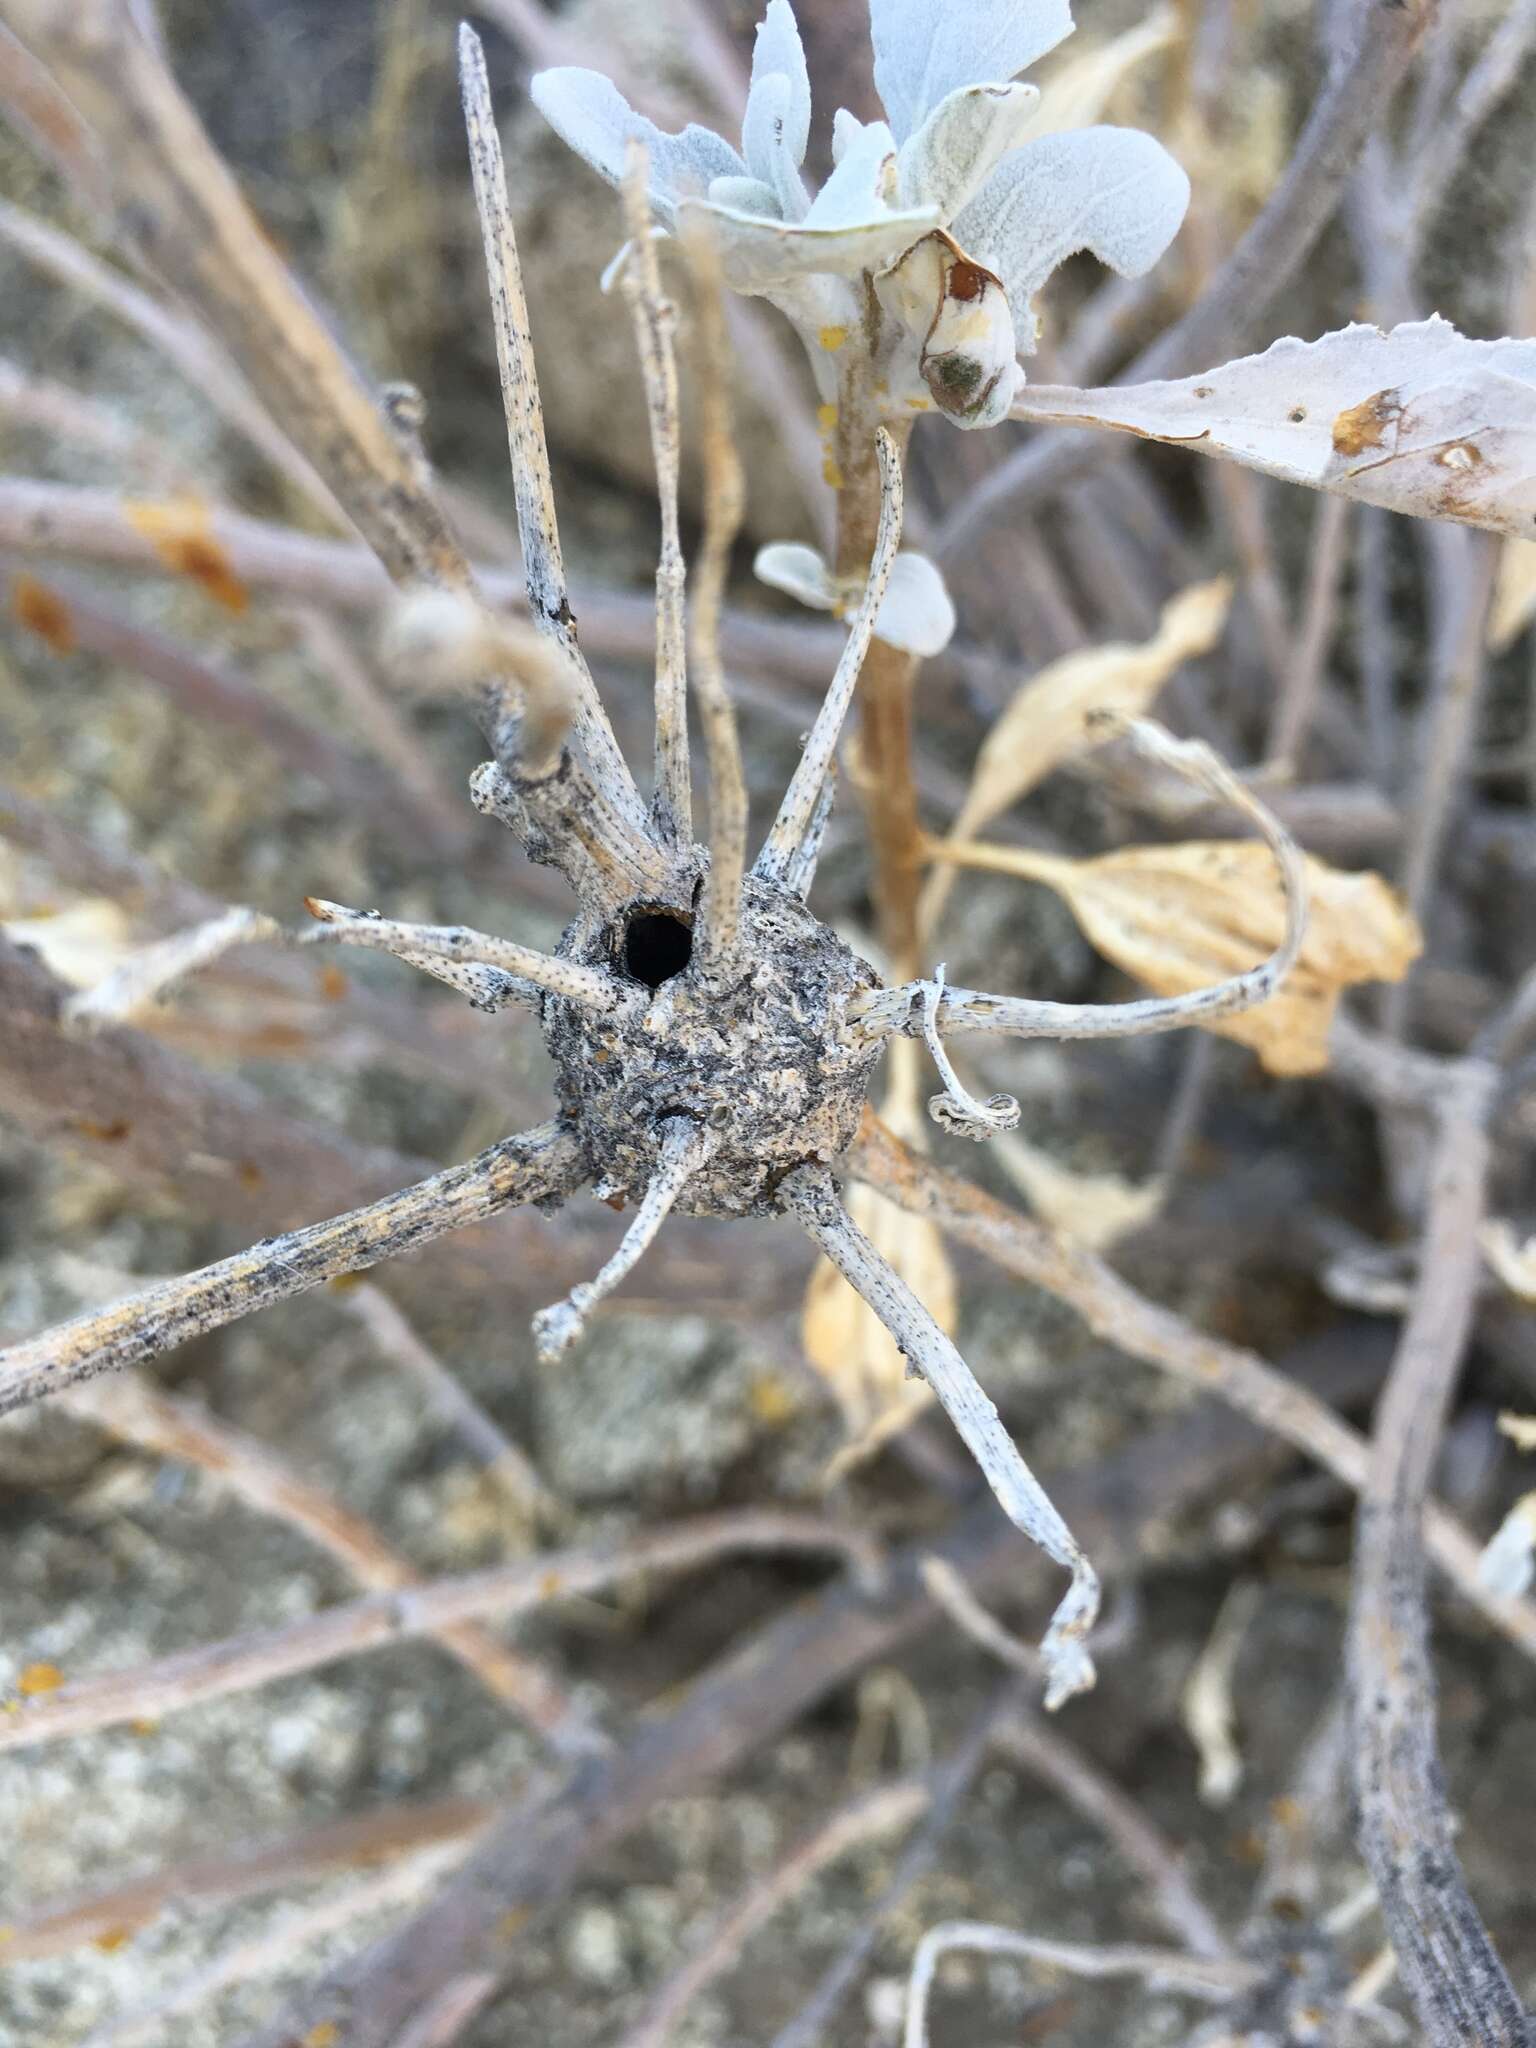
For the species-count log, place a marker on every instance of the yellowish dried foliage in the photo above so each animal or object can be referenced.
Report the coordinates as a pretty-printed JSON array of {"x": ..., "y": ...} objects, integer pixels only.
[{"x": 1180, "y": 918}]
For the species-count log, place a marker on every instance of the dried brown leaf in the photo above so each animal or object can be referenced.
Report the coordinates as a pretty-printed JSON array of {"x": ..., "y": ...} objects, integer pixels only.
[{"x": 1180, "y": 918}]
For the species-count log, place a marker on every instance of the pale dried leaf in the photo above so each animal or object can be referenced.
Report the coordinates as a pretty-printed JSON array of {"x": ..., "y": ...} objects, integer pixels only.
[
  {"x": 1507, "y": 1565},
  {"x": 1419, "y": 420},
  {"x": 81, "y": 943},
  {"x": 1520, "y": 1429},
  {"x": 1180, "y": 918},
  {"x": 1514, "y": 594},
  {"x": 1512, "y": 1260},
  {"x": 1046, "y": 723},
  {"x": 1080, "y": 84},
  {"x": 1094, "y": 1209}
]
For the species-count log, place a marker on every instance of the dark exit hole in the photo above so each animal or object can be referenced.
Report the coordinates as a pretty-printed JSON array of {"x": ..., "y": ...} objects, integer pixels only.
[{"x": 657, "y": 946}]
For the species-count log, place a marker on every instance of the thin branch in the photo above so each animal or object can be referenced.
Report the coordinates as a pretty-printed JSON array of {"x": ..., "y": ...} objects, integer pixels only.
[
  {"x": 540, "y": 1166},
  {"x": 655, "y": 319},
  {"x": 724, "y": 499},
  {"x": 540, "y": 1848},
  {"x": 460, "y": 944},
  {"x": 147, "y": 973},
  {"x": 56, "y": 1926},
  {"x": 1040, "y": 1748},
  {"x": 199, "y": 360},
  {"x": 135, "y": 1411},
  {"x": 1166, "y": 1969},
  {"x": 1143, "y": 1329},
  {"x": 1454, "y": 117},
  {"x": 803, "y": 796},
  {"x": 810, "y": 1193},
  {"x": 144, "y": 2025},
  {"x": 1449, "y": 1964},
  {"x": 1302, "y": 672},
  {"x": 216, "y": 1670},
  {"x": 543, "y": 565},
  {"x": 859, "y": 1820},
  {"x": 686, "y": 1146},
  {"x": 505, "y": 1462}
]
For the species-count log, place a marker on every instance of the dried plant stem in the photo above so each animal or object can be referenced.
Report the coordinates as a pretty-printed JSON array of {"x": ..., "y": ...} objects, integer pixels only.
[
  {"x": 200, "y": 361},
  {"x": 135, "y": 1411},
  {"x": 1165, "y": 1968},
  {"x": 864, "y": 1819},
  {"x": 273, "y": 1947},
  {"x": 175, "y": 196},
  {"x": 724, "y": 500},
  {"x": 1302, "y": 671},
  {"x": 1142, "y": 1329},
  {"x": 56, "y": 1926},
  {"x": 949, "y": 1782},
  {"x": 463, "y": 946},
  {"x": 59, "y": 410},
  {"x": 654, "y": 319},
  {"x": 216, "y": 1670},
  {"x": 1041, "y": 1749},
  {"x": 397, "y": 1339},
  {"x": 1449, "y": 1964},
  {"x": 539, "y": 1849},
  {"x": 803, "y": 797},
  {"x": 543, "y": 564},
  {"x": 887, "y": 682},
  {"x": 540, "y": 1166},
  {"x": 686, "y": 1146},
  {"x": 812, "y": 1196}
]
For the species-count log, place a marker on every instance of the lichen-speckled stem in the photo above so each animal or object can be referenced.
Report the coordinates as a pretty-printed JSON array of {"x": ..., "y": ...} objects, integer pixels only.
[
  {"x": 672, "y": 802},
  {"x": 885, "y": 779},
  {"x": 539, "y": 1166},
  {"x": 811, "y": 1194},
  {"x": 464, "y": 946},
  {"x": 543, "y": 563}
]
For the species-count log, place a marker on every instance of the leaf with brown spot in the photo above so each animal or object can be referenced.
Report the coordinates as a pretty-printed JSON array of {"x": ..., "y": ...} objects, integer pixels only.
[
  {"x": 1420, "y": 420},
  {"x": 1181, "y": 918}
]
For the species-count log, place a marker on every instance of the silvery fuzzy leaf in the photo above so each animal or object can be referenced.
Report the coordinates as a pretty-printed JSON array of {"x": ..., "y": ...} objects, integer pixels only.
[
  {"x": 779, "y": 51},
  {"x": 1113, "y": 191},
  {"x": 745, "y": 195},
  {"x": 765, "y": 139},
  {"x": 846, "y": 130},
  {"x": 850, "y": 226},
  {"x": 590, "y": 114},
  {"x": 1419, "y": 420},
  {"x": 915, "y": 613},
  {"x": 925, "y": 49},
  {"x": 800, "y": 572},
  {"x": 767, "y": 256},
  {"x": 961, "y": 143}
]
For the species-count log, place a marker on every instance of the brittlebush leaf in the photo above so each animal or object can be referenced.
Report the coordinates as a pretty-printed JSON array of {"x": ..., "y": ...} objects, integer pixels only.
[
  {"x": 1180, "y": 918},
  {"x": 1421, "y": 420}
]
